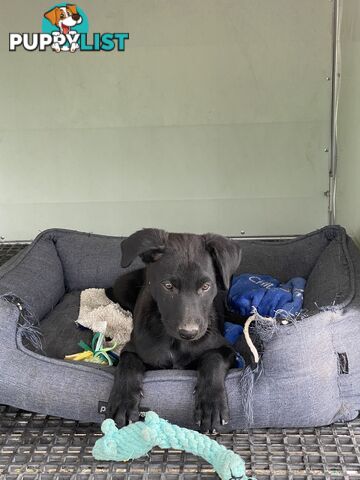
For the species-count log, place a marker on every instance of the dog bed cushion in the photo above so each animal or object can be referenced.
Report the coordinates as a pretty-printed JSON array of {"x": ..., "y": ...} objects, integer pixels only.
[{"x": 309, "y": 373}]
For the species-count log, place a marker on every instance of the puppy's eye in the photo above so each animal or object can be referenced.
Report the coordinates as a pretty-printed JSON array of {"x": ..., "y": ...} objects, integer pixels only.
[
  {"x": 205, "y": 287},
  {"x": 168, "y": 285}
]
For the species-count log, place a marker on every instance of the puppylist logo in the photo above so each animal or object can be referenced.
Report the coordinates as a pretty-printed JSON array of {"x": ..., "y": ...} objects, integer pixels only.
[{"x": 65, "y": 29}]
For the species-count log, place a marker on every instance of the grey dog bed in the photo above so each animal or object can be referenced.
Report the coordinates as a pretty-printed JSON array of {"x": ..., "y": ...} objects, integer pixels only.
[{"x": 309, "y": 373}]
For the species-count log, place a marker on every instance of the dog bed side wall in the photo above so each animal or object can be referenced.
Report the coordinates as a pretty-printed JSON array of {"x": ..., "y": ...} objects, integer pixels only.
[
  {"x": 346, "y": 334},
  {"x": 331, "y": 283},
  {"x": 310, "y": 370},
  {"x": 286, "y": 259},
  {"x": 89, "y": 260},
  {"x": 35, "y": 276},
  {"x": 36, "y": 383},
  {"x": 298, "y": 385},
  {"x": 93, "y": 261}
]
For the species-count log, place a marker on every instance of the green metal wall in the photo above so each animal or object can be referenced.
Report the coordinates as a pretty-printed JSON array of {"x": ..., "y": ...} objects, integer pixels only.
[
  {"x": 216, "y": 118},
  {"x": 348, "y": 182}
]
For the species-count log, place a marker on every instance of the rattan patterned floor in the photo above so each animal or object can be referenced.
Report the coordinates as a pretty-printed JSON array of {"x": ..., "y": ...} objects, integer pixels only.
[{"x": 38, "y": 447}]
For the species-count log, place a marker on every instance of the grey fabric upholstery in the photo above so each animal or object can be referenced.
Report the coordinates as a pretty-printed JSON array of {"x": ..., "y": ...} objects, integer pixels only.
[
  {"x": 330, "y": 280},
  {"x": 89, "y": 261},
  {"x": 60, "y": 335},
  {"x": 310, "y": 370},
  {"x": 37, "y": 383},
  {"x": 284, "y": 259},
  {"x": 35, "y": 275}
]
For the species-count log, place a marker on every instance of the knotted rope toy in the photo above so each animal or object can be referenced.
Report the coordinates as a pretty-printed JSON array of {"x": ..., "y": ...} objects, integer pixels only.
[
  {"x": 96, "y": 353},
  {"x": 137, "y": 439}
]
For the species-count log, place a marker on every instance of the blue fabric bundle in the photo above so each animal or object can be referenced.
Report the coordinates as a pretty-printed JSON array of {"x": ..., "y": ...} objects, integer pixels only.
[
  {"x": 232, "y": 332},
  {"x": 263, "y": 292}
]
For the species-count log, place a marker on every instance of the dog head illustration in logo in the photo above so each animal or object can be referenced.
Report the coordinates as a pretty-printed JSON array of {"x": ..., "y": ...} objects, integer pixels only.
[{"x": 64, "y": 18}]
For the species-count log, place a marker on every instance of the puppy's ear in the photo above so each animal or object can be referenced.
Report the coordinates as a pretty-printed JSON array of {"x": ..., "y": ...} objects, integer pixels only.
[
  {"x": 51, "y": 15},
  {"x": 226, "y": 256},
  {"x": 72, "y": 8},
  {"x": 148, "y": 244}
]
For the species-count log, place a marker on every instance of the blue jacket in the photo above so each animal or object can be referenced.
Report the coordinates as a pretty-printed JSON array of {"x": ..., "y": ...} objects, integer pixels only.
[{"x": 270, "y": 297}]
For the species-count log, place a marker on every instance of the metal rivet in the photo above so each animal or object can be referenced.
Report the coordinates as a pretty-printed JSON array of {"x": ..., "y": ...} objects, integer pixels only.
[
  {"x": 2, "y": 237},
  {"x": 326, "y": 149},
  {"x": 328, "y": 78},
  {"x": 242, "y": 232}
]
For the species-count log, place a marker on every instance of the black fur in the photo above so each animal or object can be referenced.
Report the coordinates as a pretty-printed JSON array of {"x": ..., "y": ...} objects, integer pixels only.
[{"x": 178, "y": 305}]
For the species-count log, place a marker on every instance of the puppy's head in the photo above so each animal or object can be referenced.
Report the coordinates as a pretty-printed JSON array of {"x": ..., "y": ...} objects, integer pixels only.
[
  {"x": 184, "y": 273},
  {"x": 64, "y": 17}
]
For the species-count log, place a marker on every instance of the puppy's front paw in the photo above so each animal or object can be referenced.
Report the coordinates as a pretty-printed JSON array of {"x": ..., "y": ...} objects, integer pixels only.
[
  {"x": 123, "y": 406},
  {"x": 211, "y": 407}
]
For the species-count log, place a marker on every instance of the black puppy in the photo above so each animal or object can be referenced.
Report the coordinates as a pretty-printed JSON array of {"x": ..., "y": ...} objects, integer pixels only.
[{"x": 177, "y": 303}]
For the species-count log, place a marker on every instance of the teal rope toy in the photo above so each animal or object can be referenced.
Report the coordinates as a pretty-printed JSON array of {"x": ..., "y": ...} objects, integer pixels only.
[{"x": 137, "y": 439}]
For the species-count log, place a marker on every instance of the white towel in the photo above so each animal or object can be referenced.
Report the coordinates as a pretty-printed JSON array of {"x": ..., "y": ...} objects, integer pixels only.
[{"x": 100, "y": 314}]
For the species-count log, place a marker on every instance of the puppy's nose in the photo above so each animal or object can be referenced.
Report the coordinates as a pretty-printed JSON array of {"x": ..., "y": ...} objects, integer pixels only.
[
  {"x": 75, "y": 16},
  {"x": 188, "y": 333}
]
